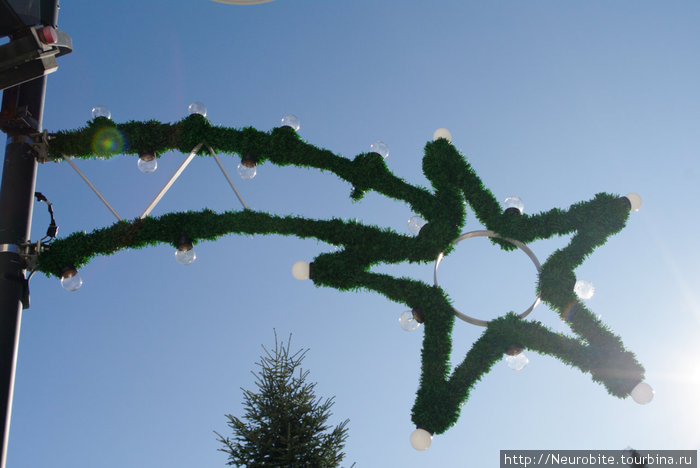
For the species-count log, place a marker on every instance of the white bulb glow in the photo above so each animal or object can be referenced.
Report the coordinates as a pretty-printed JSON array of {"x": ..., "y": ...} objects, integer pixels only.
[
  {"x": 301, "y": 270},
  {"x": 642, "y": 393},
  {"x": 408, "y": 322},
  {"x": 442, "y": 133},
  {"x": 635, "y": 201},
  {"x": 185, "y": 257},
  {"x": 197, "y": 108},
  {"x": 147, "y": 163},
  {"x": 514, "y": 202},
  {"x": 421, "y": 439},
  {"x": 101, "y": 111},
  {"x": 71, "y": 281},
  {"x": 380, "y": 148},
  {"x": 415, "y": 224},
  {"x": 584, "y": 289},
  {"x": 292, "y": 121},
  {"x": 247, "y": 170},
  {"x": 517, "y": 362}
]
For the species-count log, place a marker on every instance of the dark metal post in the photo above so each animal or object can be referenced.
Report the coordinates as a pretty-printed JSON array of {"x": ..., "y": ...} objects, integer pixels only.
[{"x": 16, "y": 203}]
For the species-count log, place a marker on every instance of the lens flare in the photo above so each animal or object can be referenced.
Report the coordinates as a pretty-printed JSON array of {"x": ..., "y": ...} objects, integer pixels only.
[{"x": 107, "y": 141}]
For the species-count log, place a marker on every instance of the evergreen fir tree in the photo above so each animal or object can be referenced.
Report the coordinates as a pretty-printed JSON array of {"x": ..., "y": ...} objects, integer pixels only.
[{"x": 285, "y": 424}]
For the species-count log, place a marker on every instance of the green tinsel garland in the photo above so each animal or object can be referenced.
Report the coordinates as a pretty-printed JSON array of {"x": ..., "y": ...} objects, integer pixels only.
[{"x": 596, "y": 349}]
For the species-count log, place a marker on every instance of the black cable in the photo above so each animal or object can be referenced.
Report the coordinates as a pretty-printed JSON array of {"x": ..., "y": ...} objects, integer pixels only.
[{"x": 52, "y": 231}]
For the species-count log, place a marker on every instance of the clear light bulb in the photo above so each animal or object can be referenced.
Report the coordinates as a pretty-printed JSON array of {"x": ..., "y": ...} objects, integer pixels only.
[
  {"x": 421, "y": 439},
  {"x": 185, "y": 257},
  {"x": 197, "y": 108},
  {"x": 584, "y": 289},
  {"x": 514, "y": 202},
  {"x": 642, "y": 393},
  {"x": 635, "y": 201},
  {"x": 71, "y": 280},
  {"x": 415, "y": 224},
  {"x": 101, "y": 111},
  {"x": 292, "y": 121},
  {"x": 301, "y": 270},
  {"x": 408, "y": 322},
  {"x": 380, "y": 148},
  {"x": 442, "y": 133},
  {"x": 517, "y": 362},
  {"x": 247, "y": 169},
  {"x": 147, "y": 163}
]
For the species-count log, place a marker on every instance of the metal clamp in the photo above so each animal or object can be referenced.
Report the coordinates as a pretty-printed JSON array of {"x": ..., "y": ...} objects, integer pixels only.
[
  {"x": 14, "y": 248},
  {"x": 40, "y": 145},
  {"x": 29, "y": 252}
]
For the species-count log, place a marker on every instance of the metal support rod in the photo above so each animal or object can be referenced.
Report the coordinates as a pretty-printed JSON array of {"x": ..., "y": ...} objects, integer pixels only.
[
  {"x": 87, "y": 181},
  {"x": 172, "y": 180},
  {"x": 238, "y": 194}
]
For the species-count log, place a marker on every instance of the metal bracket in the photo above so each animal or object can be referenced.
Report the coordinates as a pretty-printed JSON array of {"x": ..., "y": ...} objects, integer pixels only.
[
  {"x": 27, "y": 57},
  {"x": 29, "y": 252},
  {"x": 17, "y": 121},
  {"x": 40, "y": 145}
]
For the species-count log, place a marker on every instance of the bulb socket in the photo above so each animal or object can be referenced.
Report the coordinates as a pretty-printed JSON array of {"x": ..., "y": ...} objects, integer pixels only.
[
  {"x": 417, "y": 315},
  {"x": 69, "y": 272},
  {"x": 184, "y": 243},
  {"x": 512, "y": 210},
  {"x": 432, "y": 433},
  {"x": 514, "y": 350},
  {"x": 249, "y": 161},
  {"x": 147, "y": 155}
]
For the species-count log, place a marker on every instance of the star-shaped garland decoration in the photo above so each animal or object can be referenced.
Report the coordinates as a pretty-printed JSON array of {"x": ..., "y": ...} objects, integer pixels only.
[{"x": 595, "y": 349}]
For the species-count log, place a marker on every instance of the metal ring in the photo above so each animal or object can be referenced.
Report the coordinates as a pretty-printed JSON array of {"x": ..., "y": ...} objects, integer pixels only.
[
  {"x": 14, "y": 248},
  {"x": 518, "y": 244}
]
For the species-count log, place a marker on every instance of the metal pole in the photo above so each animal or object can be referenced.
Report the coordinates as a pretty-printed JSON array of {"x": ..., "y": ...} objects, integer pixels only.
[{"x": 16, "y": 203}]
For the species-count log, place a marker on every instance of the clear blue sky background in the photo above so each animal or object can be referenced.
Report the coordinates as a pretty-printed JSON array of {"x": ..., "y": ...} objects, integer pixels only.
[{"x": 551, "y": 101}]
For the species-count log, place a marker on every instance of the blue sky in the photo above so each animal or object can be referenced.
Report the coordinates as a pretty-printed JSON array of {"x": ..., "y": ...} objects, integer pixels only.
[{"x": 550, "y": 101}]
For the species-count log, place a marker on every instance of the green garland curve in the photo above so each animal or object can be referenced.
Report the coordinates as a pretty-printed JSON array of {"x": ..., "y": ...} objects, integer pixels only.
[{"x": 595, "y": 349}]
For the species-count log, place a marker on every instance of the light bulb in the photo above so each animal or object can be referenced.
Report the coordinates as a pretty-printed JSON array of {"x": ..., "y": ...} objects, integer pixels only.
[
  {"x": 407, "y": 321},
  {"x": 147, "y": 162},
  {"x": 642, "y": 393},
  {"x": 380, "y": 148},
  {"x": 197, "y": 108},
  {"x": 185, "y": 257},
  {"x": 101, "y": 111},
  {"x": 514, "y": 203},
  {"x": 518, "y": 361},
  {"x": 584, "y": 289},
  {"x": 71, "y": 280},
  {"x": 184, "y": 254},
  {"x": 415, "y": 224},
  {"x": 301, "y": 270},
  {"x": 635, "y": 201},
  {"x": 247, "y": 169},
  {"x": 421, "y": 439},
  {"x": 442, "y": 133},
  {"x": 292, "y": 121}
]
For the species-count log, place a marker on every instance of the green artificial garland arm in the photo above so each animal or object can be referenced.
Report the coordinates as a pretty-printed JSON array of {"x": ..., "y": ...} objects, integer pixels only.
[{"x": 440, "y": 394}]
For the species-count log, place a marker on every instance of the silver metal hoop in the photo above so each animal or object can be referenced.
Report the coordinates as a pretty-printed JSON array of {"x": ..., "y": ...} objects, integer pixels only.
[{"x": 518, "y": 244}]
